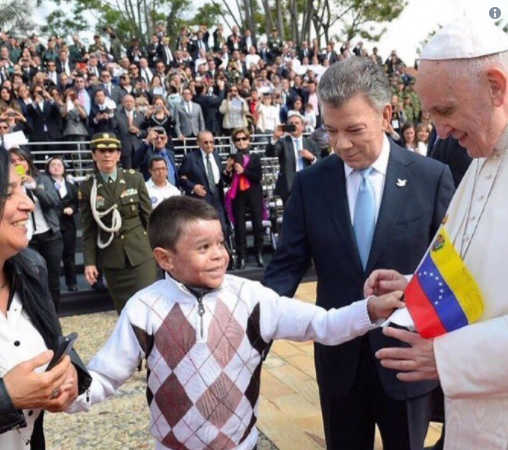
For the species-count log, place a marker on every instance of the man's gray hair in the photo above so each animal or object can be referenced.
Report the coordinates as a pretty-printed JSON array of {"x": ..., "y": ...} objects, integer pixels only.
[
  {"x": 354, "y": 76},
  {"x": 472, "y": 69}
]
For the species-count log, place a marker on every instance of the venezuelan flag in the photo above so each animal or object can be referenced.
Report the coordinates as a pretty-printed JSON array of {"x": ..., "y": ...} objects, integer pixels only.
[{"x": 443, "y": 296}]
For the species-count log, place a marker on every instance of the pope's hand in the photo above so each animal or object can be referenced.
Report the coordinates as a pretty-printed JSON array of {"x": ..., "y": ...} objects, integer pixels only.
[{"x": 414, "y": 363}]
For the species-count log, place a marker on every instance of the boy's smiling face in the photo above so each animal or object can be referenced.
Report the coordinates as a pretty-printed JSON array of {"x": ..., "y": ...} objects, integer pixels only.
[{"x": 200, "y": 259}]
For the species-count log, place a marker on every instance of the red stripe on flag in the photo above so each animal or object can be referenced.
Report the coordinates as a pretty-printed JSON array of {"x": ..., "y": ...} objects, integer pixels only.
[{"x": 424, "y": 315}]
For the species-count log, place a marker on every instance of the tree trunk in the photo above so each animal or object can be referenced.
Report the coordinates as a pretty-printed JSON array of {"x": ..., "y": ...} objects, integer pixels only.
[
  {"x": 280, "y": 22},
  {"x": 268, "y": 16}
]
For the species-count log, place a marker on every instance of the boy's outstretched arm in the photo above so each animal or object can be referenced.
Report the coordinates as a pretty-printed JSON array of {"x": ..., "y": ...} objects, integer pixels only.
[
  {"x": 286, "y": 318},
  {"x": 113, "y": 365}
]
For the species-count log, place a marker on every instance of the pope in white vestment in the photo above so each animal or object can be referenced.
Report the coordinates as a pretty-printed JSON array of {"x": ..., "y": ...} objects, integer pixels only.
[{"x": 463, "y": 83}]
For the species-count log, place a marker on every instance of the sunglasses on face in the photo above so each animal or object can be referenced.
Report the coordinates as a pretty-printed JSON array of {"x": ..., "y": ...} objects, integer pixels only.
[{"x": 241, "y": 139}]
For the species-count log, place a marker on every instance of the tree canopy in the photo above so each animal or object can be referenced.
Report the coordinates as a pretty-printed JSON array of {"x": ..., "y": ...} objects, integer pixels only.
[{"x": 297, "y": 20}]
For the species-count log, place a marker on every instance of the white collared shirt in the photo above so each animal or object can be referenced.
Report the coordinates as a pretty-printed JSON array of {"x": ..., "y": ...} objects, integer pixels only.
[
  {"x": 215, "y": 168},
  {"x": 377, "y": 180},
  {"x": 158, "y": 194},
  {"x": 19, "y": 341}
]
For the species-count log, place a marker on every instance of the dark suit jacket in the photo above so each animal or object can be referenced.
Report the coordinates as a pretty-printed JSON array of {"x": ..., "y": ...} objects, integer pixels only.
[
  {"x": 284, "y": 150},
  {"x": 130, "y": 142},
  {"x": 69, "y": 201},
  {"x": 102, "y": 125},
  {"x": 210, "y": 107},
  {"x": 192, "y": 171},
  {"x": 142, "y": 157},
  {"x": 317, "y": 226},
  {"x": 49, "y": 117},
  {"x": 449, "y": 152}
]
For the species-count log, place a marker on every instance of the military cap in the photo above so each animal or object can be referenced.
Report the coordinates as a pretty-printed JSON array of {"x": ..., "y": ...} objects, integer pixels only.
[{"x": 105, "y": 140}]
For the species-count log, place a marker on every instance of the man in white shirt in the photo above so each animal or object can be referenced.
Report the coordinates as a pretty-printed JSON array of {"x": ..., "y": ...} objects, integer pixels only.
[
  {"x": 159, "y": 188},
  {"x": 369, "y": 203}
]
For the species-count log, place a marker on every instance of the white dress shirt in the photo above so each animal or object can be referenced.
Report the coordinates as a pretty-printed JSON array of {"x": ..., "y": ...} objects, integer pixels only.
[
  {"x": 377, "y": 180},
  {"x": 19, "y": 341},
  {"x": 158, "y": 194},
  {"x": 215, "y": 168}
]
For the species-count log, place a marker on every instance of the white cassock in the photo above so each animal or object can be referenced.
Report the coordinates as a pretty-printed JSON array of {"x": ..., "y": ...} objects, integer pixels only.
[{"x": 473, "y": 362}]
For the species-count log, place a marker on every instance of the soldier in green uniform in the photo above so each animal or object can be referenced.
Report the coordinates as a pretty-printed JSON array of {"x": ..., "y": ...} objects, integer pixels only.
[
  {"x": 415, "y": 101},
  {"x": 115, "y": 207}
]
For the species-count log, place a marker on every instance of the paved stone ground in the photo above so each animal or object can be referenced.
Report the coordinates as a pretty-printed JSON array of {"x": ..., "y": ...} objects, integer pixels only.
[
  {"x": 120, "y": 423},
  {"x": 290, "y": 416}
]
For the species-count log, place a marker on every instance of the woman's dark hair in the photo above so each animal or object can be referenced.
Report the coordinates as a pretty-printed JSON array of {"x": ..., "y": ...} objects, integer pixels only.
[
  {"x": 5, "y": 165},
  {"x": 48, "y": 162},
  {"x": 24, "y": 269},
  {"x": 33, "y": 171},
  {"x": 405, "y": 127},
  {"x": 172, "y": 216}
]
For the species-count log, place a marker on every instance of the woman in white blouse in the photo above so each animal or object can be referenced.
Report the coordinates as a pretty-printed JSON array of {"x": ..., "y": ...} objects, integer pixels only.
[
  {"x": 28, "y": 328},
  {"x": 269, "y": 116}
]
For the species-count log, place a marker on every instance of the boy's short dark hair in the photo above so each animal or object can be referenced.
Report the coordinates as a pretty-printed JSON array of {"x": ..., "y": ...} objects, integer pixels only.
[{"x": 169, "y": 219}]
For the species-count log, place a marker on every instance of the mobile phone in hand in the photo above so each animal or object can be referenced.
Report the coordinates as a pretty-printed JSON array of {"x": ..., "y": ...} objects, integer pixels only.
[
  {"x": 63, "y": 347},
  {"x": 289, "y": 128}
]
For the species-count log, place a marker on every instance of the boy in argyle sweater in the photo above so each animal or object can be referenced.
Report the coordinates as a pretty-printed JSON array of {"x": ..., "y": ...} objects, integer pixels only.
[{"x": 203, "y": 332}]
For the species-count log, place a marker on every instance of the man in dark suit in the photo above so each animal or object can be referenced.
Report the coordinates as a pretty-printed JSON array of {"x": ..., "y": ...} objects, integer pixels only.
[
  {"x": 201, "y": 175},
  {"x": 164, "y": 53},
  {"x": 305, "y": 52},
  {"x": 157, "y": 143},
  {"x": 295, "y": 152},
  {"x": 128, "y": 129},
  {"x": 210, "y": 103},
  {"x": 46, "y": 119},
  {"x": 102, "y": 115},
  {"x": 113, "y": 91},
  {"x": 372, "y": 204}
]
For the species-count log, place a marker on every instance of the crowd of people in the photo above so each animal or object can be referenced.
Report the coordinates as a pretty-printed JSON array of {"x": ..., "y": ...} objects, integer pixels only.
[{"x": 363, "y": 217}]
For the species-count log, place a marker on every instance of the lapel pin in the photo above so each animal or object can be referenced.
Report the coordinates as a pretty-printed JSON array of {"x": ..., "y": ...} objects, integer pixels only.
[{"x": 401, "y": 183}]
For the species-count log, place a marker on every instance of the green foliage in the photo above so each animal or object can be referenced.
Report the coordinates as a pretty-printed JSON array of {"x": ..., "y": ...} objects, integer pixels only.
[
  {"x": 358, "y": 17},
  {"x": 15, "y": 16},
  {"x": 209, "y": 14},
  {"x": 127, "y": 18}
]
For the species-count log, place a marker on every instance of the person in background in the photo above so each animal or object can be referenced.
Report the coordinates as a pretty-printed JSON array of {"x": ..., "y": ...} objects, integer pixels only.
[
  {"x": 46, "y": 236},
  {"x": 235, "y": 110},
  {"x": 245, "y": 173},
  {"x": 28, "y": 328},
  {"x": 268, "y": 116},
  {"x": 115, "y": 208},
  {"x": 69, "y": 203},
  {"x": 159, "y": 188},
  {"x": 422, "y": 139},
  {"x": 408, "y": 136}
]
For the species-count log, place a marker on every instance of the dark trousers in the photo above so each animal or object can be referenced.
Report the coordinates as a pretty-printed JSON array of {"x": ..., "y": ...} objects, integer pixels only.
[
  {"x": 126, "y": 161},
  {"x": 350, "y": 420},
  {"x": 50, "y": 247},
  {"x": 69, "y": 255},
  {"x": 217, "y": 202},
  {"x": 251, "y": 200}
]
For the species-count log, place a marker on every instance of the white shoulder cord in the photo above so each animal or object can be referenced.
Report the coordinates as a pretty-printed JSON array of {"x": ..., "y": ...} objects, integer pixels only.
[{"x": 116, "y": 220}]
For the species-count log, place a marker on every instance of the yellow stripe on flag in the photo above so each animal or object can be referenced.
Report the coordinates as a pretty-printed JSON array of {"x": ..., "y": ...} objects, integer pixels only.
[{"x": 457, "y": 276}]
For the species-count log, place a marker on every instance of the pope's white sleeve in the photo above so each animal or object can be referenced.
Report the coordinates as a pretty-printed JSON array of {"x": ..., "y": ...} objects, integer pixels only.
[
  {"x": 473, "y": 361},
  {"x": 287, "y": 318},
  {"x": 113, "y": 365}
]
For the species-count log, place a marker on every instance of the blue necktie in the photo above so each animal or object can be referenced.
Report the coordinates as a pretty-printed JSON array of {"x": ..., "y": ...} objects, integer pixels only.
[
  {"x": 364, "y": 222},
  {"x": 171, "y": 169}
]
